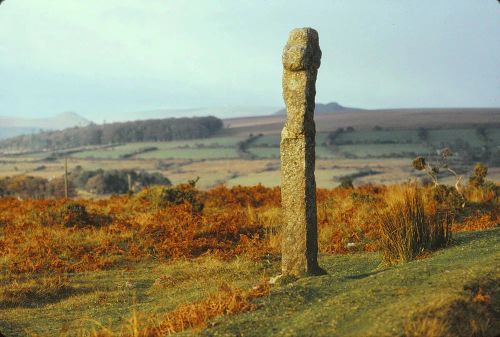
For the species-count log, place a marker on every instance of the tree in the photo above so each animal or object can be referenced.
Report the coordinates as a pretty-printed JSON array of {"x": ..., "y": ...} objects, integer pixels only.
[
  {"x": 478, "y": 174},
  {"x": 55, "y": 188},
  {"x": 138, "y": 131},
  {"x": 432, "y": 170}
]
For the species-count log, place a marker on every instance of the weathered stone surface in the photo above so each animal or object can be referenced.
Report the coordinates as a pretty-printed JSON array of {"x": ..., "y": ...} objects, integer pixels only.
[{"x": 301, "y": 60}]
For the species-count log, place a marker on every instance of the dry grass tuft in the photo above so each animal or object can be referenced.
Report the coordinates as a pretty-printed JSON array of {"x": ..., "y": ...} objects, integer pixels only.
[
  {"x": 409, "y": 229},
  {"x": 460, "y": 317},
  {"x": 473, "y": 314},
  {"x": 227, "y": 301}
]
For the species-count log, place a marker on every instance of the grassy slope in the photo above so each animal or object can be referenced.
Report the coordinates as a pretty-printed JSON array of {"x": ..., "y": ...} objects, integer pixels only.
[
  {"x": 113, "y": 295},
  {"x": 356, "y": 299}
]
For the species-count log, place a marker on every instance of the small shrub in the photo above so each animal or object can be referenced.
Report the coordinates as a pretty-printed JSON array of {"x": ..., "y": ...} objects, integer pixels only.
[
  {"x": 480, "y": 189},
  {"x": 448, "y": 197},
  {"x": 56, "y": 188},
  {"x": 74, "y": 214},
  {"x": 419, "y": 163},
  {"x": 346, "y": 183},
  {"x": 160, "y": 196},
  {"x": 478, "y": 174},
  {"x": 362, "y": 198}
]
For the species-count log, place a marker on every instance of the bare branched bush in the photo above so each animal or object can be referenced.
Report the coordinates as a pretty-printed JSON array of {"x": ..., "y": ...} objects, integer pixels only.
[{"x": 433, "y": 170}]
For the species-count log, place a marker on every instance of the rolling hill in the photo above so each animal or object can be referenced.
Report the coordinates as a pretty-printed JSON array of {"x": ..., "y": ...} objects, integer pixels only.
[
  {"x": 368, "y": 119},
  {"x": 324, "y": 108}
]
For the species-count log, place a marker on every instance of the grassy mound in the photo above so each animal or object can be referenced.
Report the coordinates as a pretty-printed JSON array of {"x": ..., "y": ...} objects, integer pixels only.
[{"x": 359, "y": 299}]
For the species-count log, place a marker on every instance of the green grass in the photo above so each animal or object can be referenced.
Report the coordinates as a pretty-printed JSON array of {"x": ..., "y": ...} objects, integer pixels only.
[
  {"x": 215, "y": 148},
  {"x": 378, "y": 150},
  {"x": 371, "y": 136},
  {"x": 191, "y": 153},
  {"x": 273, "y": 151},
  {"x": 228, "y": 141},
  {"x": 265, "y": 152},
  {"x": 267, "y": 178},
  {"x": 494, "y": 135},
  {"x": 113, "y": 295},
  {"x": 110, "y": 153},
  {"x": 274, "y": 139},
  {"x": 370, "y": 143},
  {"x": 359, "y": 299},
  {"x": 436, "y": 137},
  {"x": 324, "y": 152},
  {"x": 321, "y": 137},
  {"x": 325, "y": 178},
  {"x": 441, "y": 136},
  {"x": 269, "y": 140},
  {"x": 328, "y": 178},
  {"x": 364, "y": 143},
  {"x": 356, "y": 298}
]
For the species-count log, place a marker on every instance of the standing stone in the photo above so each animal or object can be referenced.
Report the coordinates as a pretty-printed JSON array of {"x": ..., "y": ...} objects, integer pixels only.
[{"x": 301, "y": 60}]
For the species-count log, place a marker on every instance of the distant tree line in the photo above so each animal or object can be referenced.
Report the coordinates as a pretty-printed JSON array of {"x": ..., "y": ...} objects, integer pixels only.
[
  {"x": 34, "y": 187},
  {"x": 115, "y": 181},
  {"x": 96, "y": 181},
  {"x": 126, "y": 132}
]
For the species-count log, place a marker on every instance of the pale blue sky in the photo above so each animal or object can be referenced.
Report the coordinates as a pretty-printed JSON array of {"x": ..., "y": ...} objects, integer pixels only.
[{"x": 106, "y": 58}]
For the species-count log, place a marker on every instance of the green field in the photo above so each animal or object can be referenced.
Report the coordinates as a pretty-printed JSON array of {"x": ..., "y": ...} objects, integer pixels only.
[
  {"x": 326, "y": 178},
  {"x": 109, "y": 153},
  {"x": 189, "y": 149},
  {"x": 383, "y": 150},
  {"x": 435, "y": 137},
  {"x": 359, "y": 298},
  {"x": 358, "y": 143},
  {"x": 368, "y": 136},
  {"x": 324, "y": 152},
  {"x": 268, "y": 178},
  {"x": 191, "y": 153},
  {"x": 273, "y": 140},
  {"x": 440, "y": 137},
  {"x": 494, "y": 136},
  {"x": 265, "y": 152}
]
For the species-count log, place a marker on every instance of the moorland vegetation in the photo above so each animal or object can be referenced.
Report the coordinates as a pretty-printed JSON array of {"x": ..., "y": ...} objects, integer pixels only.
[{"x": 45, "y": 243}]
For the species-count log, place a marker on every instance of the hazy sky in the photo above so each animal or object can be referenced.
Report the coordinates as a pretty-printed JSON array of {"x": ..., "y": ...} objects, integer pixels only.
[{"x": 105, "y": 58}]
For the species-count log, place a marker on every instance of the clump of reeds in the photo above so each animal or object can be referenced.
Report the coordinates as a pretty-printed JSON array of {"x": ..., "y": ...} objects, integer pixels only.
[{"x": 409, "y": 228}]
